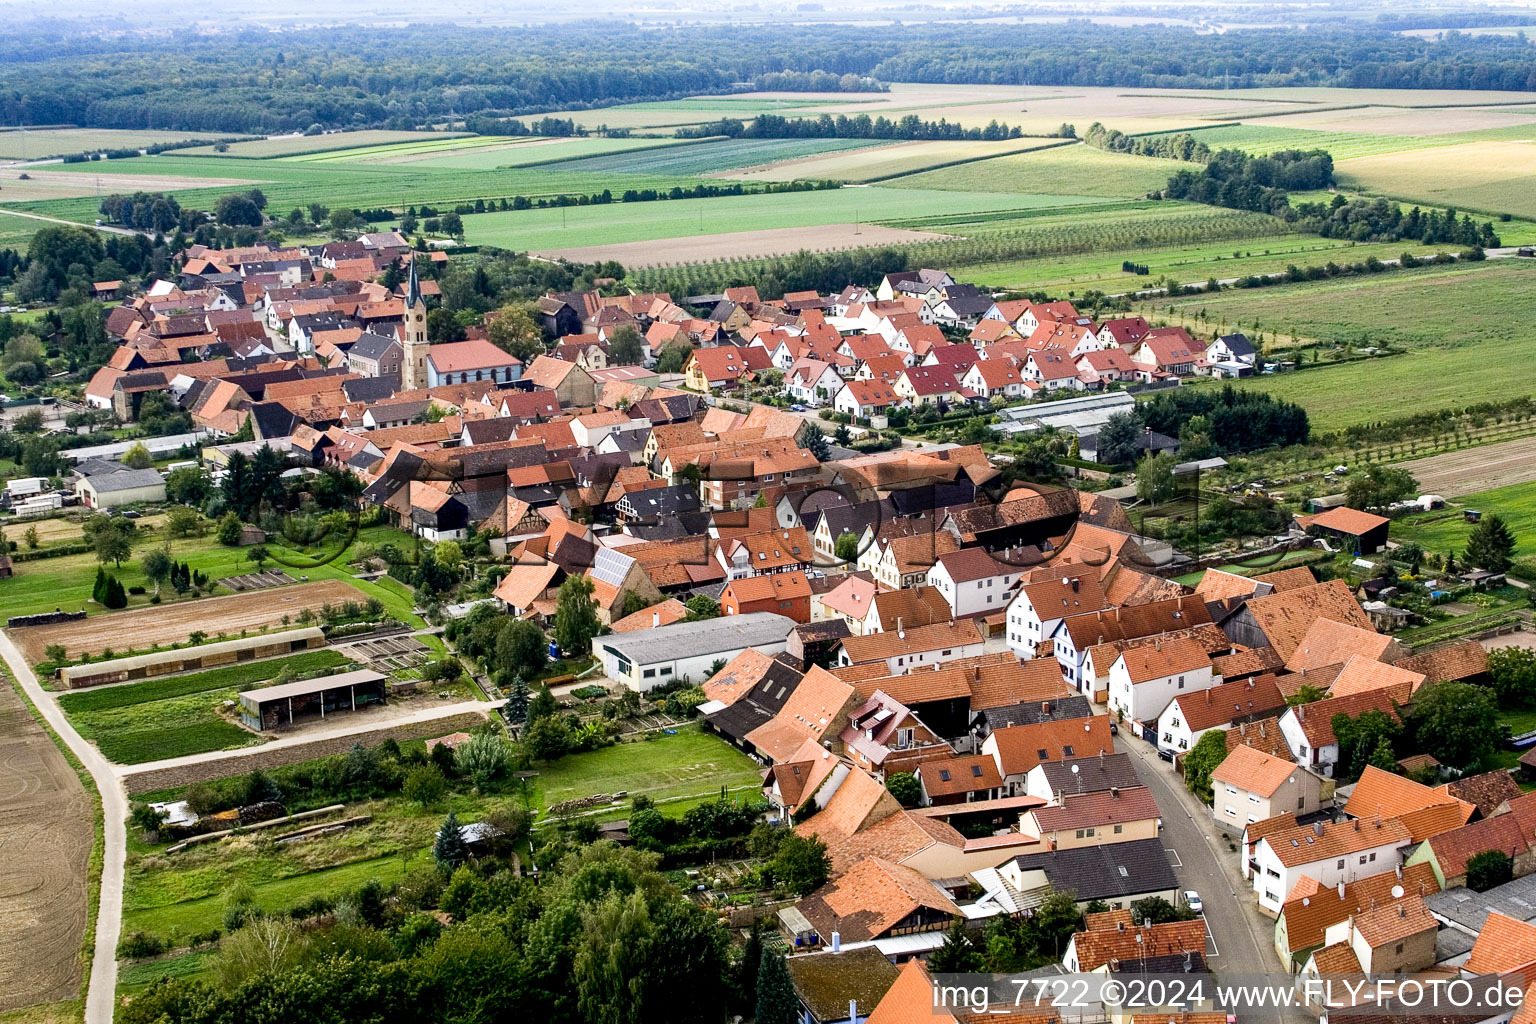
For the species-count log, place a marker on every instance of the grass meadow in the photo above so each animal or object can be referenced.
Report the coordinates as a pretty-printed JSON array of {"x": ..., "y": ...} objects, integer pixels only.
[
  {"x": 722, "y": 156},
  {"x": 1445, "y": 530}
]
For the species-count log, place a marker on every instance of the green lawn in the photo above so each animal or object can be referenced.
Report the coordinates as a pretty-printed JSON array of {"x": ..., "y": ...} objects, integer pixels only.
[
  {"x": 690, "y": 763},
  {"x": 173, "y": 727}
]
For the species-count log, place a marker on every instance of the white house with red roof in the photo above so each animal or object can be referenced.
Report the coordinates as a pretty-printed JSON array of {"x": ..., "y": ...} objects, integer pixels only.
[
  {"x": 1167, "y": 351},
  {"x": 992, "y": 377},
  {"x": 927, "y": 385},
  {"x": 812, "y": 382},
  {"x": 862, "y": 399},
  {"x": 1037, "y": 313},
  {"x": 1053, "y": 369},
  {"x": 1104, "y": 367},
  {"x": 1124, "y": 332}
]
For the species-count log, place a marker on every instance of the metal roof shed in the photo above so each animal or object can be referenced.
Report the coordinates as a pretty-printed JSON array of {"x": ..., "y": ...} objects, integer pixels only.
[{"x": 272, "y": 707}]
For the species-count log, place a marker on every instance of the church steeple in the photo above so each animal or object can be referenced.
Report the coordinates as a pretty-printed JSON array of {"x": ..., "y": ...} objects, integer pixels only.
[
  {"x": 412, "y": 287},
  {"x": 413, "y": 335}
]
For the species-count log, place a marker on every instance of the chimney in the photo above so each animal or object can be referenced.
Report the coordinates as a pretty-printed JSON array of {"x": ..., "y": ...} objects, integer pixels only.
[
  {"x": 1114, "y": 792},
  {"x": 1120, "y": 926},
  {"x": 1399, "y": 870},
  {"x": 1045, "y": 707},
  {"x": 837, "y": 942},
  {"x": 1402, "y": 911},
  {"x": 1317, "y": 828},
  {"x": 1341, "y": 890},
  {"x": 655, "y": 619},
  {"x": 1357, "y": 824},
  {"x": 1076, "y": 583}
]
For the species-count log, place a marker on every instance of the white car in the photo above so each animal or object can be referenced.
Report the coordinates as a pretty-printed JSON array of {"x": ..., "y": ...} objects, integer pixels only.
[{"x": 1192, "y": 901}]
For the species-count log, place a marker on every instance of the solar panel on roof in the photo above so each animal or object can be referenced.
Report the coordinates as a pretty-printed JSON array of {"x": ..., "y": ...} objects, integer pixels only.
[{"x": 610, "y": 566}]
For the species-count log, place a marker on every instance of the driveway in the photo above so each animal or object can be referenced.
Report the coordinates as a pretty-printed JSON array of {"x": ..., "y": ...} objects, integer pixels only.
[{"x": 1241, "y": 939}]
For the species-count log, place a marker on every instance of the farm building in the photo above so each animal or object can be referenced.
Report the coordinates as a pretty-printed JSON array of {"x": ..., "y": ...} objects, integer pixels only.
[
  {"x": 1361, "y": 532},
  {"x": 187, "y": 659},
  {"x": 273, "y": 707},
  {"x": 125, "y": 487},
  {"x": 650, "y": 657}
]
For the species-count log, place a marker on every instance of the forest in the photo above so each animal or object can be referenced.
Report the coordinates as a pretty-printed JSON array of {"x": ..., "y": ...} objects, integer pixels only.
[{"x": 254, "y": 80}]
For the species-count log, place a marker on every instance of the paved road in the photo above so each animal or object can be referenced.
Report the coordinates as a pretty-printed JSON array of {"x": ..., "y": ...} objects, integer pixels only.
[
  {"x": 101, "y": 993},
  {"x": 1241, "y": 939}
]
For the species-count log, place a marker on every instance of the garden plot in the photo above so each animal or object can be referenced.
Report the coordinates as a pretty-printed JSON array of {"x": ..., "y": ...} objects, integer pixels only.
[
  {"x": 391, "y": 654},
  {"x": 257, "y": 580}
]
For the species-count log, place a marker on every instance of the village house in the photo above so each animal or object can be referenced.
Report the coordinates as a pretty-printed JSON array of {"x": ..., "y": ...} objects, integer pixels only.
[
  {"x": 1329, "y": 852},
  {"x": 786, "y": 593},
  {"x": 1143, "y": 680},
  {"x": 1094, "y": 819},
  {"x": 905, "y": 648},
  {"x": 1190, "y": 716},
  {"x": 1249, "y": 786},
  {"x": 972, "y": 582}
]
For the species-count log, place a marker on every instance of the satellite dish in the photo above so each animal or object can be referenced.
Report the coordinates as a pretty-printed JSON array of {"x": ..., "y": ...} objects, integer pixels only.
[
  {"x": 1087, "y": 727},
  {"x": 1074, "y": 769},
  {"x": 1306, "y": 901},
  {"x": 1397, "y": 892}
]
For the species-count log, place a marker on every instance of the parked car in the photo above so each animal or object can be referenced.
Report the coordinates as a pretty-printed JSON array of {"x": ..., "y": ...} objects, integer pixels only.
[
  {"x": 1166, "y": 755},
  {"x": 797, "y": 407},
  {"x": 1193, "y": 902},
  {"x": 1114, "y": 730}
]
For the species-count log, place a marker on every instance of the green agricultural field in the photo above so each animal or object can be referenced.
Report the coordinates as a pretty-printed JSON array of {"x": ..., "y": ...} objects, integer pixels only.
[
  {"x": 1395, "y": 308},
  {"x": 290, "y": 145},
  {"x": 716, "y": 157},
  {"x": 1490, "y": 176},
  {"x": 638, "y": 222},
  {"x": 174, "y": 727},
  {"x": 1261, "y": 138},
  {"x": 1447, "y": 359},
  {"x": 551, "y": 152},
  {"x": 892, "y": 160},
  {"x": 34, "y": 145},
  {"x": 1445, "y": 530},
  {"x": 1193, "y": 264},
  {"x": 290, "y": 184},
  {"x": 1066, "y": 170}
]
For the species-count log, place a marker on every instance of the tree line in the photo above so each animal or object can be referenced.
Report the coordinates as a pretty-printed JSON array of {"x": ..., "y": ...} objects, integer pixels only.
[
  {"x": 253, "y": 81},
  {"x": 860, "y": 126}
]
